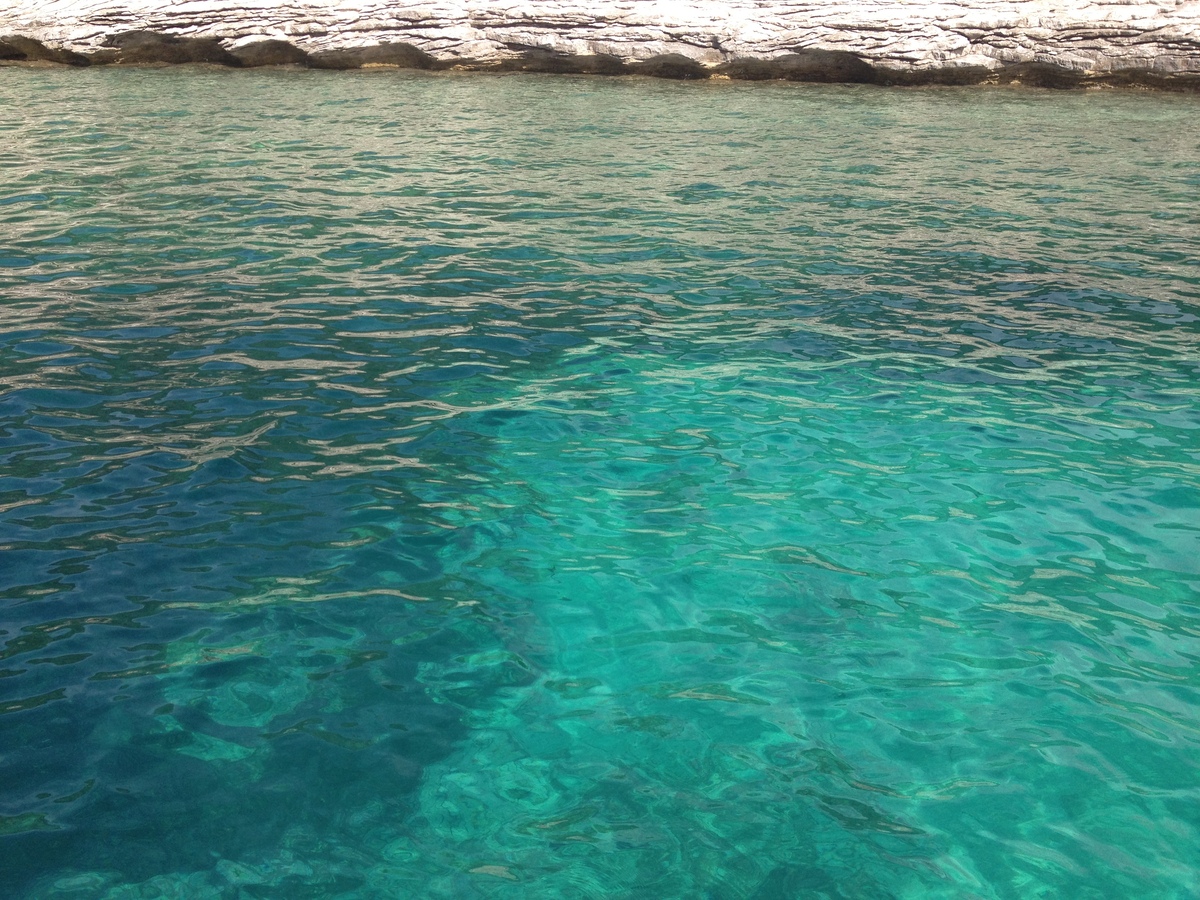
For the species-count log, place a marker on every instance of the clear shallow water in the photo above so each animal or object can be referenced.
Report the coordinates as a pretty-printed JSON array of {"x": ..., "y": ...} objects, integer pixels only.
[{"x": 445, "y": 486}]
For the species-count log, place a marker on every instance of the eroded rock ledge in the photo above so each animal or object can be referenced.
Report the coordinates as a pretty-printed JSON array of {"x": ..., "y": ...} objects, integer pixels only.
[
  {"x": 146, "y": 48},
  {"x": 882, "y": 41}
]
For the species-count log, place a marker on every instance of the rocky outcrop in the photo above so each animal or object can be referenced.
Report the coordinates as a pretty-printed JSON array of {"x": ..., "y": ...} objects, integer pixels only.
[
  {"x": 1122, "y": 43},
  {"x": 1085, "y": 35}
]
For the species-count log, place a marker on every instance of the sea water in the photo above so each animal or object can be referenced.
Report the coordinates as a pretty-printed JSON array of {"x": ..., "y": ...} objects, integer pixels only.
[{"x": 474, "y": 486}]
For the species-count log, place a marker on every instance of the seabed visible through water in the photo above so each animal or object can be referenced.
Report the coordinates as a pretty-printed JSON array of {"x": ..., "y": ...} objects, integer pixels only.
[{"x": 419, "y": 486}]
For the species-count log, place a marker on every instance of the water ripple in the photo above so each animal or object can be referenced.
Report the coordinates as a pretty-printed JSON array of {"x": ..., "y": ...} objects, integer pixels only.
[{"x": 425, "y": 485}]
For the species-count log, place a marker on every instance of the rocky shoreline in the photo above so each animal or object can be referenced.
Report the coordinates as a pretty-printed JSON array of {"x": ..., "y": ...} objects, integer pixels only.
[{"x": 147, "y": 48}]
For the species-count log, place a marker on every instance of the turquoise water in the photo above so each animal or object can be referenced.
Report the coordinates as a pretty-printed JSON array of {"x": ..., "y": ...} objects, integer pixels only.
[{"x": 441, "y": 486}]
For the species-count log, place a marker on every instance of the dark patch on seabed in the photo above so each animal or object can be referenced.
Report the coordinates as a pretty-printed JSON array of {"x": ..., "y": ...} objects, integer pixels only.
[
  {"x": 275, "y": 689},
  {"x": 411, "y": 490},
  {"x": 133, "y": 48},
  {"x": 170, "y": 773}
]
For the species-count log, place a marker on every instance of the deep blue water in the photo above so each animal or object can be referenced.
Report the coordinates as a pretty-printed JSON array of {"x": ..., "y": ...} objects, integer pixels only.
[{"x": 443, "y": 486}]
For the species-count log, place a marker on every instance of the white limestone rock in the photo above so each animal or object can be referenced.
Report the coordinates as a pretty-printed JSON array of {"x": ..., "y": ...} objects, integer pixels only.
[{"x": 1083, "y": 34}]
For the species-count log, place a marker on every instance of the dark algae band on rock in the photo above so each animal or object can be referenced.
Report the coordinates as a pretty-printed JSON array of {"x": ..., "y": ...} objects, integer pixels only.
[
  {"x": 15, "y": 48},
  {"x": 148, "y": 48}
]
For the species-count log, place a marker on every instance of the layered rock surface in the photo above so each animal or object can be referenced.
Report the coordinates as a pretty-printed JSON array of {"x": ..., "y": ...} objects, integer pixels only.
[{"x": 1083, "y": 35}]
